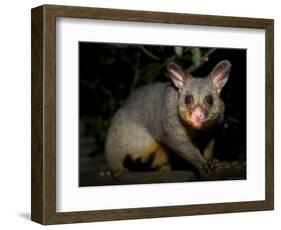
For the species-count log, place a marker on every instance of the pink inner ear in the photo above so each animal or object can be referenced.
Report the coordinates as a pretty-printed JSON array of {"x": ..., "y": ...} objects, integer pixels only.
[
  {"x": 176, "y": 75},
  {"x": 220, "y": 80},
  {"x": 220, "y": 74},
  {"x": 177, "y": 78}
]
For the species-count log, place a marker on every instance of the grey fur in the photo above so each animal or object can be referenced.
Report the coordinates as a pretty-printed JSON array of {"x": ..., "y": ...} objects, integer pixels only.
[{"x": 151, "y": 114}]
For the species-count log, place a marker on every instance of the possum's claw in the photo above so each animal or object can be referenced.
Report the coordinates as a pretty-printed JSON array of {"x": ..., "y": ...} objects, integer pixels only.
[{"x": 212, "y": 166}]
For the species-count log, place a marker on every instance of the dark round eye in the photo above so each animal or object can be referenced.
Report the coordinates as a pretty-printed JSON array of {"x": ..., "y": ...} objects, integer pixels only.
[
  {"x": 209, "y": 100},
  {"x": 188, "y": 99}
]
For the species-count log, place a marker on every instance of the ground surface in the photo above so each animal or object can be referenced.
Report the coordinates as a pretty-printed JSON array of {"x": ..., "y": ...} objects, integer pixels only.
[{"x": 94, "y": 171}]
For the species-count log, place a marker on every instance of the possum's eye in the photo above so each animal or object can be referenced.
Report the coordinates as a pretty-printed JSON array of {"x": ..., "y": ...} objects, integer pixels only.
[
  {"x": 188, "y": 99},
  {"x": 209, "y": 100}
]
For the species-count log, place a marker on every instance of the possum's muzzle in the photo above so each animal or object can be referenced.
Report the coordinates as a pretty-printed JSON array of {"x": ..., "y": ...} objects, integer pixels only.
[{"x": 198, "y": 116}]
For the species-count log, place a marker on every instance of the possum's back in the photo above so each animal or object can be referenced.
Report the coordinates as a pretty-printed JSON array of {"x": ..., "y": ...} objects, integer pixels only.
[
  {"x": 146, "y": 103},
  {"x": 143, "y": 109},
  {"x": 135, "y": 127}
]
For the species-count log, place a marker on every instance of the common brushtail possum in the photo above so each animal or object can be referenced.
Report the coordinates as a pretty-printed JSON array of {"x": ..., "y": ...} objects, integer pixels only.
[{"x": 159, "y": 117}]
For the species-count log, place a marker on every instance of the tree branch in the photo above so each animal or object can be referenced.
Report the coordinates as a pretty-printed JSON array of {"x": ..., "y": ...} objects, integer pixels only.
[
  {"x": 228, "y": 171},
  {"x": 149, "y": 54},
  {"x": 204, "y": 59},
  {"x": 137, "y": 73}
]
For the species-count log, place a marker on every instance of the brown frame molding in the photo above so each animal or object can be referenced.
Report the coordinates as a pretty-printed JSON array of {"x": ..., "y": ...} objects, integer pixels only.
[{"x": 43, "y": 188}]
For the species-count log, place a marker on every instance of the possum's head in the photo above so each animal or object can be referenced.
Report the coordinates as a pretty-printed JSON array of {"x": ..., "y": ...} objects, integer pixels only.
[{"x": 199, "y": 103}]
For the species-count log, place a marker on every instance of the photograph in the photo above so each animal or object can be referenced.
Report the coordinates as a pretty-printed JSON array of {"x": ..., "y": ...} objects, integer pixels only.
[
  {"x": 161, "y": 114},
  {"x": 164, "y": 107}
]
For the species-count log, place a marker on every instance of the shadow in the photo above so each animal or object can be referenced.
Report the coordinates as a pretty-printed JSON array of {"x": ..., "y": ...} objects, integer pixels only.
[{"x": 25, "y": 215}]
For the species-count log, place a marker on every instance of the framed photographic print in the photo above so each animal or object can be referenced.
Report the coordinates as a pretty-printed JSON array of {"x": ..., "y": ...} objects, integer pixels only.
[{"x": 140, "y": 114}]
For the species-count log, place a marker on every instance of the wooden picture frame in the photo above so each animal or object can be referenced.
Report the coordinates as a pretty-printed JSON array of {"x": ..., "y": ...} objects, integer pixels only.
[{"x": 43, "y": 208}]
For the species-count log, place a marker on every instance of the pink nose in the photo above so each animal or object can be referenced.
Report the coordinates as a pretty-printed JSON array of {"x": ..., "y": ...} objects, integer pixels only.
[{"x": 198, "y": 114}]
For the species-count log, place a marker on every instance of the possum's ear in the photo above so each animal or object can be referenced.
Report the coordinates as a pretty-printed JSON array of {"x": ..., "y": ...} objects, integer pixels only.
[
  {"x": 220, "y": 74},
  {"x": 177, "y": 75}
]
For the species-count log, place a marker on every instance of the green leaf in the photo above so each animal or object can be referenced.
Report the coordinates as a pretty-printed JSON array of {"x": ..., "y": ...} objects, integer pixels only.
[
  {"x": 107, "y": 60},
  {"x": 178, "y": 51},
  {"x": 110, "y": 61},
  {"x": 196, "y": 56}
]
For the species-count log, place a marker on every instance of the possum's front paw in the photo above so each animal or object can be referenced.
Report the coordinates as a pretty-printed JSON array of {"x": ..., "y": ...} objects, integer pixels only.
[{"x": 210, "y": 167}]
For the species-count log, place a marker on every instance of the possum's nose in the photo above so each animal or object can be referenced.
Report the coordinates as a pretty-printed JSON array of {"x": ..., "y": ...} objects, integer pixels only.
[{"x": 198, "y": 114}]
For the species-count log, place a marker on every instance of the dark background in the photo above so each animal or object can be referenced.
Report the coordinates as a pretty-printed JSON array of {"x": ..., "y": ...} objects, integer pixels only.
[{"x": 109, "y": 72}]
